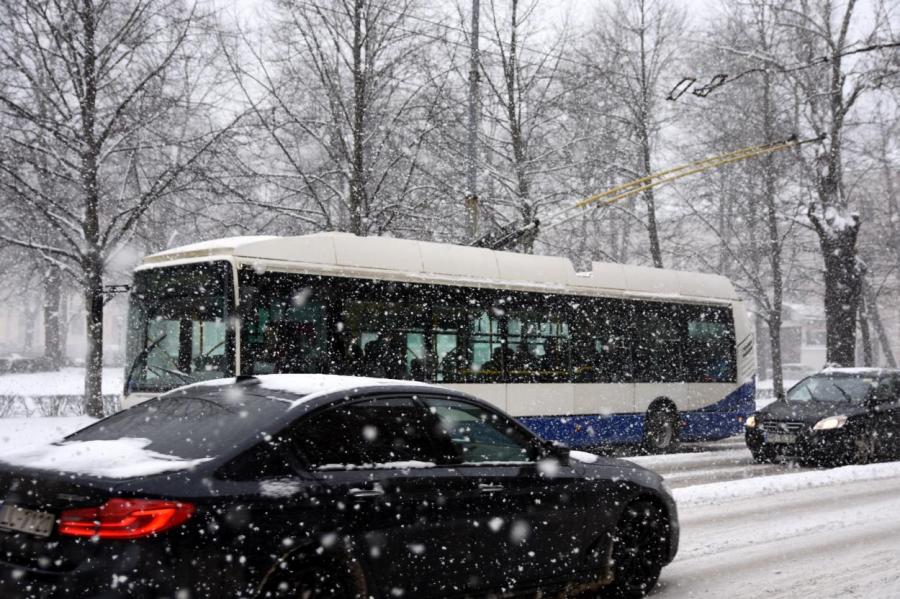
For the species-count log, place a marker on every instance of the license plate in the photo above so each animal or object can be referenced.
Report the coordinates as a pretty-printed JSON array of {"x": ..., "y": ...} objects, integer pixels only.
[
  {"x": 780, "y": 438},
  {"x": 19, "y": 519}
]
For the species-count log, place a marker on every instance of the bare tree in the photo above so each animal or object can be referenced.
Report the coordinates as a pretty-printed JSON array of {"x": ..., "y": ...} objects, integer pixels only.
[
  {"x": 829, "y": 94},
  {"x": 92, "y": 90},
  {"x": 638, "y": 42},
  {"x": 342, "y": 106},
  {"x": 525, "y": 153}
]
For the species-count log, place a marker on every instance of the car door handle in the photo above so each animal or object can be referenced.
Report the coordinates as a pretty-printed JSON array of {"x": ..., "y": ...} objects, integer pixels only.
[
  {"x": 366, "y": 493},
  {"x": 488, "y": 488}
]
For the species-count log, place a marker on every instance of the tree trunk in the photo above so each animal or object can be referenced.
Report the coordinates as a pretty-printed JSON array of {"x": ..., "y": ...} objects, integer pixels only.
[
  {"x": 872, "y": 306},
  {"x": 644, "y": 133},
  {"x": 93, "y": 304},
  {"x": 472, "y": 140},
  {"x": 865, "y": 332},
  {"x": 53, "y": 349},
  {"x": 774, "y": 240},
  {"x": 358, "y": 199},
  {"x": 92, "y": 259},
  {"x": 843, "y": 282}
]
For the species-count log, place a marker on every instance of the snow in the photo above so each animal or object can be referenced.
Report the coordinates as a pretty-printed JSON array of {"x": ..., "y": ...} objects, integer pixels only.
[
  {"x": 18, "y": 433},
  {"x": 231, "y": 243},
  {"x": 834, "y": 540},
  {"x": 407, "y": 465},
  {"x": 860, "y": 370},
  {"x": 719, "y": 492},
  {"x": 66, "y": 381},
  {"x": 118, "y": 458},
  {"x": 583, "y": 456},
  {"x": 279, "y": 488}
]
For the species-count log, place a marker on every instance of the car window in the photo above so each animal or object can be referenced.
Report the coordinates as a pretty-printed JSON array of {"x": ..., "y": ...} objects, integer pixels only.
[
  {"x": 829, "y": 387},
  {"x": 479, "y": 435},
  {"x": 372, "y": 433},
  {"x": 191, "y": 427},
  {"x": 889, "y": 389},
  {"x": 267, "y": 459}
]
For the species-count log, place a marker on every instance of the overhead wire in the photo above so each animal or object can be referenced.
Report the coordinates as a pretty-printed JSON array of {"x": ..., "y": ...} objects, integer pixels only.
[{"x": 721, "y": 79}]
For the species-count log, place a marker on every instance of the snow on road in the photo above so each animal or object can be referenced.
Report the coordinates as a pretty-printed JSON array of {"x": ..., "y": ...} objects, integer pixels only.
[{"x": 811, "y": 534}]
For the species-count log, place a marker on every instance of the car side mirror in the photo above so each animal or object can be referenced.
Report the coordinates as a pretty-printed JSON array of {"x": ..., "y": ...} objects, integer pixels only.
[{"x": 780, "y": 396}]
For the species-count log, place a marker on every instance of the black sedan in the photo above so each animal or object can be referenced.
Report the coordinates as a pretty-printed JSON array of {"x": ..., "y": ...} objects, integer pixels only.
[
  {"x": 318, "y": 486},
  {"x": 837, "y": 416}
]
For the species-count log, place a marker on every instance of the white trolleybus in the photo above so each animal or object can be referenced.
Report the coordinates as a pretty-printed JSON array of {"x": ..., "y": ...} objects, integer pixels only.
[{"x": 621, "y": 354}]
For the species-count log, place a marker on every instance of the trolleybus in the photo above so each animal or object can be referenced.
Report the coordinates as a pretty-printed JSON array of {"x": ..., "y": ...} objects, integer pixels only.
[{"x": 620, "y": 354}]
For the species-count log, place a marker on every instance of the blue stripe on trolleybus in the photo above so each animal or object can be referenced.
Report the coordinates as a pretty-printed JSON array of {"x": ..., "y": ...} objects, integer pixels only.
[{"x": 716, "y": 421}]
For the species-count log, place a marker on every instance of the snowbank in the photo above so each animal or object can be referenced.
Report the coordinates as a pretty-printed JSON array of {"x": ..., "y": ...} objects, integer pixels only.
[{"x": 734, "y": 490}]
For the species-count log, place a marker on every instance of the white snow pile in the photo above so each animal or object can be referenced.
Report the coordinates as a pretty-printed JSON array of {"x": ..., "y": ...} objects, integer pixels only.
[
  {"x": 119, "y": 458},
  {"x": 583, "y": 456},
  {"x": 278, "y": 488},
  {"x": 734, "y": 490}
]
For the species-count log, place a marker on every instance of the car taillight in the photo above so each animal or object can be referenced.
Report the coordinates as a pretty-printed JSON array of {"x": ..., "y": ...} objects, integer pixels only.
[{"x": 124, "y": 518}]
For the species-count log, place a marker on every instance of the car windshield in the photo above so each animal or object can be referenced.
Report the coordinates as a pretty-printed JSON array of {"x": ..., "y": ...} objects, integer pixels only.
[
  {"x": 206, "y": 425},
  {"x": 832, "y": 387}
]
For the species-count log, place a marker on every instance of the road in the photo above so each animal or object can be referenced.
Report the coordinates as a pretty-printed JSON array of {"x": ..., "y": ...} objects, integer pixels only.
[{"x": 776, "y": 531}]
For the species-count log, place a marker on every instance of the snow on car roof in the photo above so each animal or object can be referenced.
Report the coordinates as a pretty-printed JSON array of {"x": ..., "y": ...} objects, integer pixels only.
[
  {"x": 863, "y": 370},
  {"x": 117, "y": 458}
]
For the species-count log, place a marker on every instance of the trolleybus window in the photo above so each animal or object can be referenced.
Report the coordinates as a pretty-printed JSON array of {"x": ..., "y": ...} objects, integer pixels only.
[
  {"x": 709, "y": 345},
  {"x": 602, "y": 340},
  {"x": 284, "y": 323}
]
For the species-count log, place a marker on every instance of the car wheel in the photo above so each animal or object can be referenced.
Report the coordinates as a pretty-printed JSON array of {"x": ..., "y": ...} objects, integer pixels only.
[
  {"x": 661, "y": 429},
  {"x": 638, "y": 551}
]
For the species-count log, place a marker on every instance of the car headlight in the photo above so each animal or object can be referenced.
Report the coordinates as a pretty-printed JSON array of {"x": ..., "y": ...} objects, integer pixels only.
[
  {"x": 750, "y": 422},
  {"x": 832, "y": 422}
]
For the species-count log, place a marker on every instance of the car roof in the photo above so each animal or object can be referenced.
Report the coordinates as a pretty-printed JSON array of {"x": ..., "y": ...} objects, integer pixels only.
[{"x": 310, "y": 390}]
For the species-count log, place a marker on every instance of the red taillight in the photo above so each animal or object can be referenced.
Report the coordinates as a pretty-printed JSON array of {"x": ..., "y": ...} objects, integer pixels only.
[{"x": 124, "y": 518}]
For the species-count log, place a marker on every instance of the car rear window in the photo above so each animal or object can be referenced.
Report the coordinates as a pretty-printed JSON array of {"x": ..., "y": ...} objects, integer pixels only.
[{"x": 191, "y": 426}]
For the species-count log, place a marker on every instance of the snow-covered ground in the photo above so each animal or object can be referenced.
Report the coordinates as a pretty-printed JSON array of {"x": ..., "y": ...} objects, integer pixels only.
[
  {"x": 67, "y": 381},
  {"x": 748, "y": 531},
  {"x": 21, "y": 433}
]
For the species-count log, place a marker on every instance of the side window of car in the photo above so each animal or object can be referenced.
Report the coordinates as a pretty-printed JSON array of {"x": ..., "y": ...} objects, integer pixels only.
[
  {"x": 270, "y": 458},
  {"x": 888, "y": 391},
  {"x": 365, "y": 434},
  {"x": 478, "y": 435}
]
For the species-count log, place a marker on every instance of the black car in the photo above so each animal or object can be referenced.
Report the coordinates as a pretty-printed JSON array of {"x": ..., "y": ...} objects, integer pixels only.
[
  {"x": 318, "y": 486},
  {"x": 837, "y": 416}
]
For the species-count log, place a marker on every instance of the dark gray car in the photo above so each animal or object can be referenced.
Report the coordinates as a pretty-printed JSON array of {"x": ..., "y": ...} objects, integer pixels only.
[{"x": 837, "y": 416}]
